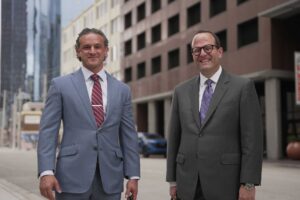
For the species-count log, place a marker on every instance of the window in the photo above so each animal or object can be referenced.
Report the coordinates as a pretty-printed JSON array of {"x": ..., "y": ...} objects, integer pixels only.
[
  {"x": 114, "y": 27},
  {"x": 128, "y": 48},
  {"x": 156, "y": 33},
  {"x": 189, "y": 56},
  {"x": 240, "y": 1},
  {"x": 114, "y": 3},
  {"x": 127, "y": 20},
  {"x": 155, "y": 5},
  {"x": 141, "y": 70},
  {"x": 114, "y": 53},
  {"x": 193, "y": 14},
  {"x": 97, "y": 12},
  {"x": 101, "y": 9},
  {"x": 141, "y": 12},
  {"x": 223, "y": 39},
  {"x": 173, "y": 25},
  {"x": 156, "y": 65},
  {"x": 128, "y": 75},
  {"x": 141, "y": 41},
  {"x": 248, "y": 32},
  {"x": 217, "y": 6},
  {"x": 173, "y": 58}
]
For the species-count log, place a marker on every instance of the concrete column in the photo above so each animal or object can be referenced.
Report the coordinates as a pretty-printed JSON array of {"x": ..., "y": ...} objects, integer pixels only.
[
  {"x": 167, "y": 111},
  {"x": 151, "y": 117},
  {"x": 273, "y": 118}
]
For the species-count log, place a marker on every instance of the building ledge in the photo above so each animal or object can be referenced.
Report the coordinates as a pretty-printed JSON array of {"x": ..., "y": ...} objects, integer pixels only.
[{"x": 282, "y": 11}]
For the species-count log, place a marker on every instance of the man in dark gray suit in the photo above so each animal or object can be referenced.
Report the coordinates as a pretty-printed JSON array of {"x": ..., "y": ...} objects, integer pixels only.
[
  {"x": 215, "y": 131},
  {"x": 99, "y": 146}
]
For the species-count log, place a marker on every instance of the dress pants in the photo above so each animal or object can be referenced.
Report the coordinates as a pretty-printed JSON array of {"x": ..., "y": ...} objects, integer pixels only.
[{"x": 95, "y": 192}]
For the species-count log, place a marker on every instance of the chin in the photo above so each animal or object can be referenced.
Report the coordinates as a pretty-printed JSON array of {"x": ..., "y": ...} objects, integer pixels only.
[{"x": 205, "y": 67}]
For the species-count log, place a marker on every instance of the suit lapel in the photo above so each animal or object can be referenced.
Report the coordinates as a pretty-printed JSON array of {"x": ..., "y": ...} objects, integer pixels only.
[
  {"x": 111, "y": 90},
  {"x": 195, "y": 100},
  {"x": 220, "y": 90},
  {"x": 79, "y": 83}
]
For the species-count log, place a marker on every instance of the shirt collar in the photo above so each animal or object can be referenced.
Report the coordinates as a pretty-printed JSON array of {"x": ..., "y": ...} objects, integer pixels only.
[
  {"x": 87, "y": 74},
  {"x": 215, "y": 77}
]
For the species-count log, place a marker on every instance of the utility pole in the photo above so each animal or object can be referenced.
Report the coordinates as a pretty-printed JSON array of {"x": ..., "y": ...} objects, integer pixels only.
[
  {"x": 3, "y": 120},
  {"x": 18, "y": 122},
  {"x": 44, "y": 87},
  {"x": 14, "y": 121}
]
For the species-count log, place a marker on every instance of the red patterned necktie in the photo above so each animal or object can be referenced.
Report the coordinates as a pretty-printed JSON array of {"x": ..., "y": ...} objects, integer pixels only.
[{"x": 97, "y": 102}]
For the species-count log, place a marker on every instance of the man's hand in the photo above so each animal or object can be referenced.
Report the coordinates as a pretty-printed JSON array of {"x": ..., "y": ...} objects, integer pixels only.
[
  {"x": 47, "y": 184},
  {"x": 173, "y": 192},
  {"x": 245, "y": 194},
  {"x": 132, "y": 188}
]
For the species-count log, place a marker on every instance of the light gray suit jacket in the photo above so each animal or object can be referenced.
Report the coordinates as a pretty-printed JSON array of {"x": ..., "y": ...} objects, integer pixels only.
[
  {"x": 224, "y": 150},
  {"x": 114, "y": 144}
]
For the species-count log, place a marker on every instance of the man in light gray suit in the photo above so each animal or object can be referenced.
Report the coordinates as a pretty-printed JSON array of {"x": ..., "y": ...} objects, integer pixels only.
[
  {"x": 215, "y": 131},
  {"x": 99, "y": 146}
]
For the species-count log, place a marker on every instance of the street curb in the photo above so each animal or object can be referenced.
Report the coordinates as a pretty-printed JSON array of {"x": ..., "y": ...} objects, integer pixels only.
[{"x": 18, "y": 192}]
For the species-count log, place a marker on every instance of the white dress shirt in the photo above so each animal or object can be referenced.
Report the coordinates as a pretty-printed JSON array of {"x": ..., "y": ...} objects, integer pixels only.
[{"x": 202, "y": 84}]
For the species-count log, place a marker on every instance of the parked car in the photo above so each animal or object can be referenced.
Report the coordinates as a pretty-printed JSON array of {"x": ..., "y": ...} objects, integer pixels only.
[{"x": 152, "y": 143}]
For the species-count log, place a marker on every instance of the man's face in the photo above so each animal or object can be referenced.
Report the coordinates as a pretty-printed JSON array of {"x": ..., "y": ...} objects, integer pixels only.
[
  {"x": 92, "y": 51},
  {"x": 205, "y": 54}
]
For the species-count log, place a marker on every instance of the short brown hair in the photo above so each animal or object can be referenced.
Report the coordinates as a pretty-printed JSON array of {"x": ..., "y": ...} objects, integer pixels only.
[
  {"x": 90, "y": 30},
  {"x": 217, "y": 39}
]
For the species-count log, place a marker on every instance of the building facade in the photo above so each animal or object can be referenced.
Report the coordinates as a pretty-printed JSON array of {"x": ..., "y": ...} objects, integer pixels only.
[
  {"x": 259, "y": 40},
  {"x": 44, "y": 28},
  {"x": 13, "y": 47},
  {"x": 104, "y": 15}
]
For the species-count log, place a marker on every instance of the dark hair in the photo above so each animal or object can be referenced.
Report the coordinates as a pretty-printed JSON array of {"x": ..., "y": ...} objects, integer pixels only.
[
  {"x": 90, "y": 30},
  {"x": 87, "y": 31},
  {"x": 217, "y": 40}
]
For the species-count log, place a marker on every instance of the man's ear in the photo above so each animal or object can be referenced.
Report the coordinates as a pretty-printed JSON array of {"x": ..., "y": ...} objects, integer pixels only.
[{"x": 220, "y": 51}]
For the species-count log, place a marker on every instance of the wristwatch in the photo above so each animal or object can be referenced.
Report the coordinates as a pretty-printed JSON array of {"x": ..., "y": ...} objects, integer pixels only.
[{"x": 249, "y": 186}]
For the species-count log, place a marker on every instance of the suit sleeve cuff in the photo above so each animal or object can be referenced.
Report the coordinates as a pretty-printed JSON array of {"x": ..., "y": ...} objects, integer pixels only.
[
  {"x": 172, "y": 184},
  {"x": 134, "y": 178},
  {"x": 47, "y": 173}
]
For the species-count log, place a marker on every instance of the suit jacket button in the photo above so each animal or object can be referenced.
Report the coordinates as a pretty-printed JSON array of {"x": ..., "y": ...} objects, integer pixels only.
[
  {"x": 200, "y": 135},
  {"x": 95, "y": 148}
]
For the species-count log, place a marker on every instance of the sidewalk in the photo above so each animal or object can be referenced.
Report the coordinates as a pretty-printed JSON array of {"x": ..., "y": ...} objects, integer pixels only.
[
  {"x": 9, "y": 191},
  {"x": 280, "y": 179}
]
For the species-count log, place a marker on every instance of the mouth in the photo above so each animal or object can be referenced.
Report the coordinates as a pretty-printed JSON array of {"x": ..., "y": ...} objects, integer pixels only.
[
  {"x": 204, "y": 61},
  {"x": 92, "y": 58}
]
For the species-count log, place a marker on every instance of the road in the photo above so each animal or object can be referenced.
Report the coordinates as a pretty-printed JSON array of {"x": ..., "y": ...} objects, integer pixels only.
[{"x": 281, "y": 180}]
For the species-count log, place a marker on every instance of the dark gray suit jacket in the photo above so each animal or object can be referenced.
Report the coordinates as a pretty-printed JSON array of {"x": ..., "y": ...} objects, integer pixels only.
[
  {"x": 114, "y": 144},
  {"x": 223, "y": 151}
]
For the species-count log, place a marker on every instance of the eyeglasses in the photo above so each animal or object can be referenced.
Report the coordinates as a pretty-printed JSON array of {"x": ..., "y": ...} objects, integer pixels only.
[{"x": 196, "y": 51}]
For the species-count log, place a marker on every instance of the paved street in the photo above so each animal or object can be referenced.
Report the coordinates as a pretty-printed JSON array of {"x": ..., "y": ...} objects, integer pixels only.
[{"x": 18, "y": 177}]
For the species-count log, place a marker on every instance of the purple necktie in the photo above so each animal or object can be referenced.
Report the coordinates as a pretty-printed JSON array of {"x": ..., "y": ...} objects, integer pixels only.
[{"x": 207, "y": 94}]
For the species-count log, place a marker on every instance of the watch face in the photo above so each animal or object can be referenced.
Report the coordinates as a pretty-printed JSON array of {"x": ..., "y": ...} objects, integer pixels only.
[{"x": 249, "y": 186}]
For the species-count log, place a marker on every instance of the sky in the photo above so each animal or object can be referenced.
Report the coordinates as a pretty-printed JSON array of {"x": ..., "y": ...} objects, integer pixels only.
[{"x": 70, "y": 9}]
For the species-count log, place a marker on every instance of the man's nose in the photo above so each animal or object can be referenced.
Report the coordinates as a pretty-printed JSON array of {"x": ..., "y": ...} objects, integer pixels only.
[
  {"x": 202, "y": 52},
  {"x": 92, "y": 49}
]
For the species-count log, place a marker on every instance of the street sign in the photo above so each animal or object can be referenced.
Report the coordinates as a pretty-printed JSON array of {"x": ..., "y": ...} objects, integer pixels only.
[{"x": 297, "y": 77}]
